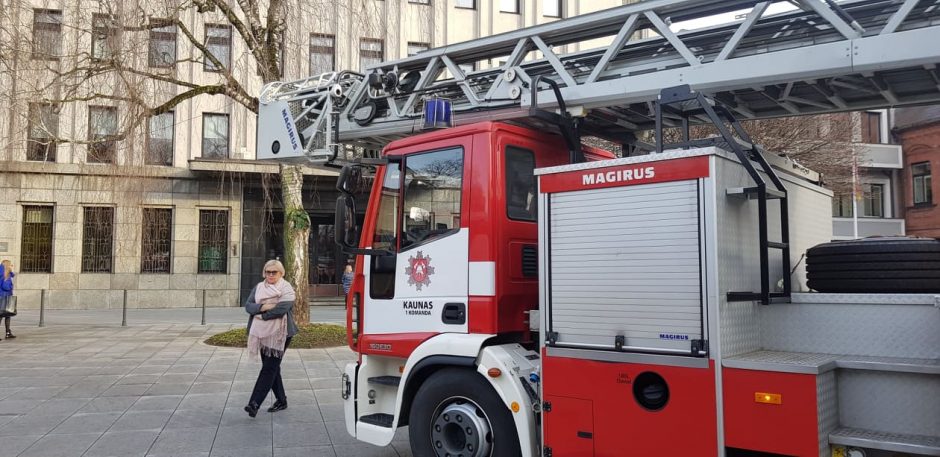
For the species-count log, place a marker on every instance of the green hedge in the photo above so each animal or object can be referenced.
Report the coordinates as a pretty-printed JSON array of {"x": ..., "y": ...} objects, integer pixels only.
[{"x": 310, "y": 336}]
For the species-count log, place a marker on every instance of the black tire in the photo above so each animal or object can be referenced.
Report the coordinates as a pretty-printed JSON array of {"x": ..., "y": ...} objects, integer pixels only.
[
  {"x": 447, "y": 388},
  {"x": 875, "y": 265}
]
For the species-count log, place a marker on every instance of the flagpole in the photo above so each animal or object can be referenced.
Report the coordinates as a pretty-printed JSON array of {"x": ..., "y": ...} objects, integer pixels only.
[{"x": 855, "y": 194}]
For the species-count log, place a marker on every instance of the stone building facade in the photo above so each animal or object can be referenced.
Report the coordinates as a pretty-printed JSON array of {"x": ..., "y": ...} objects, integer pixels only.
[{"x": 178, "y": 210}]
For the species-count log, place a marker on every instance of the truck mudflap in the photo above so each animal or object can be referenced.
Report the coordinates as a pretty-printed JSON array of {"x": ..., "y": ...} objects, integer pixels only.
[{"x": 348, "y": 393}]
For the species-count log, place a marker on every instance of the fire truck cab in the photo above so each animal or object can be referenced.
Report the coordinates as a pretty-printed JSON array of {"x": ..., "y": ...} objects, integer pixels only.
[{"x": 449, "y": 263}]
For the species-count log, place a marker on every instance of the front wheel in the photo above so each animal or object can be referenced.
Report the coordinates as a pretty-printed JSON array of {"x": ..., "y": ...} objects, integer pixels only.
[{"x": 456, "y": 413}]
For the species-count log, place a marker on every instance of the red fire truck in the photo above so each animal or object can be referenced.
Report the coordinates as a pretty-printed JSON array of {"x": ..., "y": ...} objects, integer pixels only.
[{"x": 517, "y": 293}]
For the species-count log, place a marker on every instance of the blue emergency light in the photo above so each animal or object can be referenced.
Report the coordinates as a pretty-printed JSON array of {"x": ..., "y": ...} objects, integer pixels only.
[{"x": 438, "y": 113}]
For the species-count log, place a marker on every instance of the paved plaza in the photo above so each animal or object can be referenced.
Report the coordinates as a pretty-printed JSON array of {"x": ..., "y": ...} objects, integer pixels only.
[{"x": 85, "y": 386}]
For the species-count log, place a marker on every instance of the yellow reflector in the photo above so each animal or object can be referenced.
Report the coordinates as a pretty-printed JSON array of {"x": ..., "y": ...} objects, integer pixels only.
[
  {"x": 770, "y": 399},
  {"x": 515, "y": 407}
]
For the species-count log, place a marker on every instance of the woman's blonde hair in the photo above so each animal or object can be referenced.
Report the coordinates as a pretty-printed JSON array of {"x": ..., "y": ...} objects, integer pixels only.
[
  {"x": 6, "y": 268},
  {"x": 273, "y": 265}
]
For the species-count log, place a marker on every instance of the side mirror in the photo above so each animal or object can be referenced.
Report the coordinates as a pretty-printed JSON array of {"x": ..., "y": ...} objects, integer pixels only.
[
  {"x": 346, "y": 232},
  {"x": 349, "y": 179}
]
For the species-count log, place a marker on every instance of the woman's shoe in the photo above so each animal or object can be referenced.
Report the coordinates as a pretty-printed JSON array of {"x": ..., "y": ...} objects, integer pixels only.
[
  {"x": 252, "y": 409},
  {"x": 278, "y": 406},
  {"x": 10, "y": 335}
]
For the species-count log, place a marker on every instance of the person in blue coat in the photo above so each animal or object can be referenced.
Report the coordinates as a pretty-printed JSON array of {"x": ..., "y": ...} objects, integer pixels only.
[{"x": 6, "y": 289}]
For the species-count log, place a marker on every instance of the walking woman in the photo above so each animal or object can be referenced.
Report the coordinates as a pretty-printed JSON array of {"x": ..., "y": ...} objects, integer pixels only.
[
  {"x": 6, "y": 291},
  {"x": 270, "y": 329}
]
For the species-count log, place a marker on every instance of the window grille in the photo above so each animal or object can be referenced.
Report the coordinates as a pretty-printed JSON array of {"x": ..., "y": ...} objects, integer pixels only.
[
  {"x": 156, "y": 238},
  {"x": 36, "y": 249},
  {"x": 213, "y": 241},
  {"x": 98, "y": 239},
  {"x": 371, "y": 52}
]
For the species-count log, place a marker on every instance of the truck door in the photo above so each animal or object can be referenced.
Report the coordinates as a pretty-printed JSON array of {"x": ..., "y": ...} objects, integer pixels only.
[{"x": 421, "y": 289}]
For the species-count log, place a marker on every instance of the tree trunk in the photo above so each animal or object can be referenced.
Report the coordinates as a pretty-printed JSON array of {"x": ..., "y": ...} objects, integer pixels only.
[{"x": 296, "y": 236}]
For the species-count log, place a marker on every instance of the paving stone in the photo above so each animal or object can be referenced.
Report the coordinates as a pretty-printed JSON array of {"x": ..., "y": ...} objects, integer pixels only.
[
  {"x": 87, "y": 423},
  {"x": 158, "y": 402},
  {"x": 123, "y": 444},
  {"x": 108, "y": 405},
  {"x": 306, "y": 451},
  {"x": 300, "y": 434},
  {"x": 122, "y": 390},
  {"x": 142, "y": 420},
  {"x": 32, "y": 425},
  {"x": 364, "y": 450},
  {"x": 61, "y": 445},
  {"x": 183, "y": 418},
  {"x": 238, "y": 437},
  {"x": 168, "y": 389},
  {"x": 338, "y": 433},
  {"x": 243, "y": 452},
  {"x": 12, "y": 446},
  {"x": 176, "y": 442}
]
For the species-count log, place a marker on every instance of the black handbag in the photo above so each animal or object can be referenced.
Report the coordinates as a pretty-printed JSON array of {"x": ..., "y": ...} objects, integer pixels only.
[{"x": 8, "y": 306}]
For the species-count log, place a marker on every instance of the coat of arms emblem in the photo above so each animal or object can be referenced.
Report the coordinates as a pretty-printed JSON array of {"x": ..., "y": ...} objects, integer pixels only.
[{"x": 419, "y": 271}]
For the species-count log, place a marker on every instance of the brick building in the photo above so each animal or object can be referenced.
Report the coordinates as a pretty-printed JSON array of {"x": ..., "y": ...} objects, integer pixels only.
[{"x": 918, "y": 130}]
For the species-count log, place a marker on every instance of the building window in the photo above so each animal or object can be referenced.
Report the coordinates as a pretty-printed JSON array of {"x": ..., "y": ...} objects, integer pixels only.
[
  {"x": 420, "y": 2},
  {"x": 43, "y": 130},
  {"x": 415, "y": 48},
  {"x": 98, "y": 239},
  {"x": 47, "y": 34},
  {"x": 923, "y": 190},
  {"x": 873, "y": 200},
  {"x": 871, "y": 128},
  {"x": 551, "y": 8},
  {"x": 509, "y": 6},
  {"x": 470, "y": 4},
  {"x": 162, "y": 53},
  {"x": 155, "y": 239},
  {"x": 214, "y": 136},
  {"x": 322, "y": 54},
  {"x": 219, "y": 44},
  {"x": 36, "y": 249},
  {"x": 371, "y": 52},
  {"x": 872, "y": 203},
  {"x": 103, "y": 37},
  {"x": 213, "y": 241},
  {"x": 102, "y": 129},
  {"x": 160, "y": 139}
]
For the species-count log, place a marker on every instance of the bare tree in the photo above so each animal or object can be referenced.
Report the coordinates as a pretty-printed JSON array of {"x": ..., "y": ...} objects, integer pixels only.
[{"x": 129, "y": 62}]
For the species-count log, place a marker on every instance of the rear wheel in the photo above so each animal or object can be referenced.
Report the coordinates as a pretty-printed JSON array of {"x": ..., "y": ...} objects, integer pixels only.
[{"x": 456, "y": 413}]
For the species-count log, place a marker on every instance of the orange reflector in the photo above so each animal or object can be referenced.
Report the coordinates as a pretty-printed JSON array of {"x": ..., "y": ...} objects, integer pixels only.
[
  {"x": 770, "y": 399},
  {"x": 494, "y": 372},
  {"x": 515, "y": 407},
  {"x": 401, "y": 368}
]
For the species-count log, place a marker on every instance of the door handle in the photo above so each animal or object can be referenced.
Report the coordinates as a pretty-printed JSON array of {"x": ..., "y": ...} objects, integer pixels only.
[{"x": 454, "y": 314}]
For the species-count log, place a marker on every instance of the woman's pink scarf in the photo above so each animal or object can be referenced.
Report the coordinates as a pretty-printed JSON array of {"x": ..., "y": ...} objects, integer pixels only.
[{"x": 269, "y": 336}]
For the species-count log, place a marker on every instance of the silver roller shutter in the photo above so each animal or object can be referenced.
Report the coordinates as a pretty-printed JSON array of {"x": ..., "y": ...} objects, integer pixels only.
[{"x": 626, "y": 261}]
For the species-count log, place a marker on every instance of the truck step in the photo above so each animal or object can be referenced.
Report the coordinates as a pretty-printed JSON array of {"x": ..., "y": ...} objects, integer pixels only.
[
  {"x": 386, "y": 380},
  {"x": 914, "y": 444},
  {"x": 380, "y": 419}
]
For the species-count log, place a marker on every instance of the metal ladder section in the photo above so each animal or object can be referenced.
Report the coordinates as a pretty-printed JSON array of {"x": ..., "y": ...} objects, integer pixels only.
[
  {"x": 683, "y": 103},
  {"x": 822, "y": 57}
]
